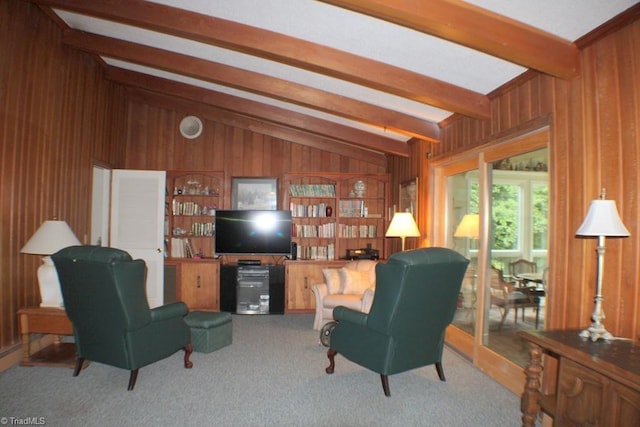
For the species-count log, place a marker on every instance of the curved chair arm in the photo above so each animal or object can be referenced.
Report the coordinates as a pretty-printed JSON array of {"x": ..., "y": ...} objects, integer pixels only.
[
  {"x": 349, "y": 315},
  {"x": 320, "y": 290},
  {"x": 169, "y": 311},
  {"x": 367, "y": 299}
]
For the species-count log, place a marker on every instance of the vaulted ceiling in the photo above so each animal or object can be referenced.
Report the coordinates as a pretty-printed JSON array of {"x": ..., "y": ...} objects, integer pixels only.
[{"x": 368, "y": 73}]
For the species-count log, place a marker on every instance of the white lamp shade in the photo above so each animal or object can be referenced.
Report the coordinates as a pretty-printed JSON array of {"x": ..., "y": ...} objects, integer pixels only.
[
  {"x": 468, "y": 227},
  {"x": 603, "y": 220},
  {"x": 50, "y": 238},
  {"x": 403, "y": 225}
]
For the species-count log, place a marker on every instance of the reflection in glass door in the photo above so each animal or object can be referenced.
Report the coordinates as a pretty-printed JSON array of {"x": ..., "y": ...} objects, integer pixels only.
[
  {"x": 463, "y": 232},
  {"x": 515, "y": 292},
  {"x": 491, "y": 205},
  {"x": 511, "y": 282}
]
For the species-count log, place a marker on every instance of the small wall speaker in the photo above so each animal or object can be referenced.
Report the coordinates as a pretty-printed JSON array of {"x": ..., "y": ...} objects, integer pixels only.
[{"x": 191, "y": 127}]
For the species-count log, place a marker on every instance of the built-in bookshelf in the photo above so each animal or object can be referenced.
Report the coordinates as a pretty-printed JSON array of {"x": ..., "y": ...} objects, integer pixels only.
[
  {"x": 334, "y": 212},
  {"x": 191, "y": 202}
]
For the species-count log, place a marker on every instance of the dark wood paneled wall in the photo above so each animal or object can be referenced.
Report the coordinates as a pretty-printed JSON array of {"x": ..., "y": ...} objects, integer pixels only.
[
  {"x": 228, "y": 143},
  {"x": 595, "y": 127},
  {"x": 58, "y": 115}
]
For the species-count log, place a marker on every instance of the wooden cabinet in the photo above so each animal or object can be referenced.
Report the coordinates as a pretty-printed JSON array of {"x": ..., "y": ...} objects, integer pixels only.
[
  {"x": 299, "y": 277},
  {"x": 198, "y": 284},
  {"x": 595, "y": 383},
  {"x": 192, "y": 198},
  {"x": 333, "y": 212}
]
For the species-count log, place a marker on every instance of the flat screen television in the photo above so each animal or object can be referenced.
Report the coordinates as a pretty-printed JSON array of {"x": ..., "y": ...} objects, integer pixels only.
[{"x": 253, "y": 232}]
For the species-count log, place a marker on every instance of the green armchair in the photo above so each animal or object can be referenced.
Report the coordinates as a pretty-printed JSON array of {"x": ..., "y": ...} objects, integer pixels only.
[
  {"x": 105, "y": 297},
  {"x": 414, "y": 302}
]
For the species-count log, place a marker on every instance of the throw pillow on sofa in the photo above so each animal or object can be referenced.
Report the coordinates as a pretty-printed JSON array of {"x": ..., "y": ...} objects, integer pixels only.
[
  {"x": 354, "y": 281},
  {"x": 332, "y": 280}
]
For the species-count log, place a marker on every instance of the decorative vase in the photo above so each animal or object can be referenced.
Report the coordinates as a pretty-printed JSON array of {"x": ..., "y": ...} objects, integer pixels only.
[
  {"x": 359, "y": 188},
  {"x": 328, "y": 210}
]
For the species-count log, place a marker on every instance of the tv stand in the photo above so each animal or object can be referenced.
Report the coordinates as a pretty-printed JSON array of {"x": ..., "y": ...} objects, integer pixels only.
[{"x": 252, "y": 289}]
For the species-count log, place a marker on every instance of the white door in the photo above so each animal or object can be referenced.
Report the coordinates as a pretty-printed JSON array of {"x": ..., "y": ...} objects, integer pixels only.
[
  {"x": 101, "y": 191},
  {"x": 137, "y": 223}
]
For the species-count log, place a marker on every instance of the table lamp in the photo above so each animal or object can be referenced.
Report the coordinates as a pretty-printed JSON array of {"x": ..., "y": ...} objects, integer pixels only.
[
  {"x": 403, "y": 225},
  {"x": 602, "y": 220},
  {"x": 468, "y": 227},
  {"x": 50, "y": 238}
]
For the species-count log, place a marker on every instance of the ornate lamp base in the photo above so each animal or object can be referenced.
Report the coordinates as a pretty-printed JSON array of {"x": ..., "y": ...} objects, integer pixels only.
[{"x": 595, "y": 332}]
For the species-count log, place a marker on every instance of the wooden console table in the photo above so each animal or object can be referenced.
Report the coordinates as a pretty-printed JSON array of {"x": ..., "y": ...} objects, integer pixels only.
[
  {"x": 46, "y": 320},
  {"x": 584, "y": 383}
]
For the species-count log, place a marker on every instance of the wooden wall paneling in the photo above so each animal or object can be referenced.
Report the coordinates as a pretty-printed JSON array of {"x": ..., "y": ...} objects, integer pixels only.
[
  {"x": 54, "y": 110},
  {"x": 630, "y": 204},
  {"x": 560, "y": 218},
  {"x": 595, "y": 143}
]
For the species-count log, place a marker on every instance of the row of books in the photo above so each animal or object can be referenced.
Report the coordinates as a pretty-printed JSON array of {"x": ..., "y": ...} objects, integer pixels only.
[
  {"x": 314, "y": 211},
  {"x": 200, "y": 229},
  {"x": 362, "y": 231},
  {"x": 181, "y": 248},
  {"x": 327, "y": 230},
  {"x": 352, "y": 208},
  {"x": 191, "y": 208},
  {"x": 327, "y": 252},
  {"x": 312, "y": 190}
]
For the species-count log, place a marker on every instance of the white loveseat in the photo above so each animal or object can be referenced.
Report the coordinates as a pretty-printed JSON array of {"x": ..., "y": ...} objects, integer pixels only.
[{"x": 351, "y": 286}]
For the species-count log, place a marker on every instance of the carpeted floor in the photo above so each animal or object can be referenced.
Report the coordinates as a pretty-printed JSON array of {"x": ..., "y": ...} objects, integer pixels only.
[{"x": 272, "y": 375}]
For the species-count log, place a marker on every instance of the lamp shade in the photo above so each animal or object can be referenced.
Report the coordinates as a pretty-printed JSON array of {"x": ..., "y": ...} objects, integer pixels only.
[
  {"x": 403, "y": 225},
  {"x": 468, "y": 227},
  {"x": 50, "y": 238},
  {"x": 603, "y": 220}
]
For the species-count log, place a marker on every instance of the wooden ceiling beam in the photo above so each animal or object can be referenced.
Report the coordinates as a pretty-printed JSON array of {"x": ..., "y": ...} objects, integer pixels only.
[
  {"x": 284, "y": 49},
  {"x": 257, "y": 110},
  {"x": 255, "y": 83},
  {"x": 478, "y": 29}
]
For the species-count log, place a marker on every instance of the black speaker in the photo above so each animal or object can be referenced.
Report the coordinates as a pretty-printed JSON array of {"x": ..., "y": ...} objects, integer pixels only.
[{"x": 294, "y": 250}]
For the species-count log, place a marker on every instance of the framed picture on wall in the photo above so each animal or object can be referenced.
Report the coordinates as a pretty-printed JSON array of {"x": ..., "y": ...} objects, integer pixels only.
[
  {"x": 409, "y": 197},
  {"x": 254, "y": 193}
]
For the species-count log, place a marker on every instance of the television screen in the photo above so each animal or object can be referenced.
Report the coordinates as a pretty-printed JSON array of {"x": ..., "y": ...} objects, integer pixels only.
[{"x": 253, "y": 232}]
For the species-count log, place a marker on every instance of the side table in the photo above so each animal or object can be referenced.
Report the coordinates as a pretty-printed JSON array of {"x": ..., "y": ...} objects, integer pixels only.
[
  {"x": 46, "y": 320},
  {"x": 592, "y": 383}
]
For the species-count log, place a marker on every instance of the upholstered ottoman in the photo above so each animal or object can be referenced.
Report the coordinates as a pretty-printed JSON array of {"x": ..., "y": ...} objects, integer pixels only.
[{"x": 210, "y": 331}]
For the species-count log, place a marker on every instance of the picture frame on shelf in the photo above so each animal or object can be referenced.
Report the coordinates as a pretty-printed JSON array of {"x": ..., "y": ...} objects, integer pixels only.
[
  {"x": 409, "y": 197},
  {"x": 251, "y": 193}
]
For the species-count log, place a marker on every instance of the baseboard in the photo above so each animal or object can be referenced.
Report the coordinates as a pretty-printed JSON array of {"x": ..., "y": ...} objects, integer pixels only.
[{"x": 13, "y": 355}]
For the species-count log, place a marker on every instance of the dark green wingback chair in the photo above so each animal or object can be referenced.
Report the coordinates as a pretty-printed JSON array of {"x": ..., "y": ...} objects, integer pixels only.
[
  {"x": 105, "y": 298},
  {"x": 414, "y": 302}
]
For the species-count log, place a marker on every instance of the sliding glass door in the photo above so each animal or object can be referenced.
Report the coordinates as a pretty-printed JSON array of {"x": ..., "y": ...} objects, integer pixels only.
[{"x": 494, "y": 206}]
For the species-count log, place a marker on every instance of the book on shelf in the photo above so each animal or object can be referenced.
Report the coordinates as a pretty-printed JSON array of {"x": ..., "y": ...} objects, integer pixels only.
[
  {"x": 352, "y": 208},
  {"x": 326, "y": 252},
  {"x": 181, "y": 248},
  {"x": 327, "y": 230},
  {"x": 312, "y": 190}
]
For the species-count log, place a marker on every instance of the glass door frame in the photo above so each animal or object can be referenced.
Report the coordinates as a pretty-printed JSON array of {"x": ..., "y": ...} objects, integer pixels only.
[{"x": 480, "y": 158}]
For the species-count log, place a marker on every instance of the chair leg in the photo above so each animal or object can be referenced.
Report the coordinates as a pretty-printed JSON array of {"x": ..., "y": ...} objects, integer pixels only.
[
  {"x": 188, "y": 349},
  {"x": 78, "y": 368},
  {"x": 504, "y": 316},
  {"x": 132, "y": 379},
  {"x": 331, "y": 354},
  {"x": 385, "y": 384},
  {"x": 440, "y": 371}
]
